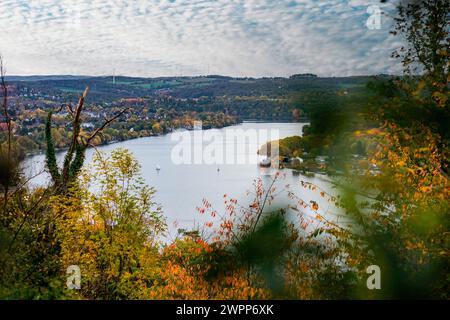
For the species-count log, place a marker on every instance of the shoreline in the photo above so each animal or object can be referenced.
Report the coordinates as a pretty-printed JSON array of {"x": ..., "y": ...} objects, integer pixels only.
[{"x": 58, "y": 151}]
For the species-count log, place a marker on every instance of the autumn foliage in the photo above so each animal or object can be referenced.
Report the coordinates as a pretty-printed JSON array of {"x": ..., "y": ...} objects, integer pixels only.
[{"x": 390, "y": 207}]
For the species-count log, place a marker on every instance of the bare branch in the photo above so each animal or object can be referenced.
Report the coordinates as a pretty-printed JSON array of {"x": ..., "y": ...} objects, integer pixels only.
[
  {"x": 107, "y": 122},
  {"x": 76, "y": 133},
  {"x": 4, "y": 89},
  {"x": 75, "y": 155},
  {"x": 70, "y": 109}
]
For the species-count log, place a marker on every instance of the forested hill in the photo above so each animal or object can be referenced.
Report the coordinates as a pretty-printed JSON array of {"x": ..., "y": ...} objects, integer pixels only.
[
  {"x": 181, "y": 87},
  {"x": 262, "y": 98}
]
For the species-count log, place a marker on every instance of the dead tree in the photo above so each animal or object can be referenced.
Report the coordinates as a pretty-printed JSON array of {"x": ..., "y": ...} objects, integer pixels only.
[
  {"x": 75, "y": 156},
  {"x": 8, "y": 166}
]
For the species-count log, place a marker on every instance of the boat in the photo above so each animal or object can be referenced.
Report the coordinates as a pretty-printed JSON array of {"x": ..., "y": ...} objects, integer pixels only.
[{"x": 158, "y": 167}]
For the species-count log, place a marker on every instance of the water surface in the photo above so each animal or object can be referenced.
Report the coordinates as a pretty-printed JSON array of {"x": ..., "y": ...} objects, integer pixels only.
[{"x": 182, "y": 187}]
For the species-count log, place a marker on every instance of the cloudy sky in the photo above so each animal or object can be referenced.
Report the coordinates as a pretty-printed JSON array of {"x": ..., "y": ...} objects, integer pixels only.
[{"x": 194, "y": 37}]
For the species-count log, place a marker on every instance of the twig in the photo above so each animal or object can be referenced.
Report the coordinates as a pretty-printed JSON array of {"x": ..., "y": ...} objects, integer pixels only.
[{"x": 107, "y": 122}]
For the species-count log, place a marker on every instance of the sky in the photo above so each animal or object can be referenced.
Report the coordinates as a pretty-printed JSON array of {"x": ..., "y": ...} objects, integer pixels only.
[{"x": 151, "y": 38}]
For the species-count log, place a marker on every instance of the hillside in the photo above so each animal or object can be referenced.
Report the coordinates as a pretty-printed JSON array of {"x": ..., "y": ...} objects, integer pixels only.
[{"x": 247, "y": 98}]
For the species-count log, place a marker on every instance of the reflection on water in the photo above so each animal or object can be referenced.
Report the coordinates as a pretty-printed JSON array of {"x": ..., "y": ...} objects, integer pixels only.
[{"x": 181, "y": 188}]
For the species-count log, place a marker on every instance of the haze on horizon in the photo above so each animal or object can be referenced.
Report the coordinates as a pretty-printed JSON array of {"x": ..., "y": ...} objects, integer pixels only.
[{"x": 252, "y": 38}]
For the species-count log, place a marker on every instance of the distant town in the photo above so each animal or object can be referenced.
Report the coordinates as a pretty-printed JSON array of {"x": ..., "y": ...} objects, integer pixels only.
[{"x": 155, "y": 105}]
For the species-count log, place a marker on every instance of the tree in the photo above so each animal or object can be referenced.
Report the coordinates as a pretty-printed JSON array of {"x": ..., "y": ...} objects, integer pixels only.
[
  {"x": 156, "y": 128},
  {"x": 399, "y": 199},
  {"x": 112, "y": 233},
  {"x": 425, "y": 26},
  {"x": 8, "y": 160},
  {"x": 74, "y": 159}
]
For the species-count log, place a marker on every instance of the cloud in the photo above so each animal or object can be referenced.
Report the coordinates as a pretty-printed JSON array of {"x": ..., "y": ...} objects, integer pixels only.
[{"x": 162, "y": 37}]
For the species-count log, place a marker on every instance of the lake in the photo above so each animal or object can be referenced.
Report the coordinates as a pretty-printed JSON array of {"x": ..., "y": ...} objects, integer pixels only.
[{"x": 182, "y": 187}]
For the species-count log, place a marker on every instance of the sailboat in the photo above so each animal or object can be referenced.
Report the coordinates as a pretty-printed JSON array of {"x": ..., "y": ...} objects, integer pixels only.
[{"x": 158, "y": 167}]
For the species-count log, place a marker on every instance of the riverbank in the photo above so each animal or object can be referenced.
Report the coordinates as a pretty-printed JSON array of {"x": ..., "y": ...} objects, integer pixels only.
[
  {"x": 188, "y": 183},
  {"x": 151, "y": 134}
]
